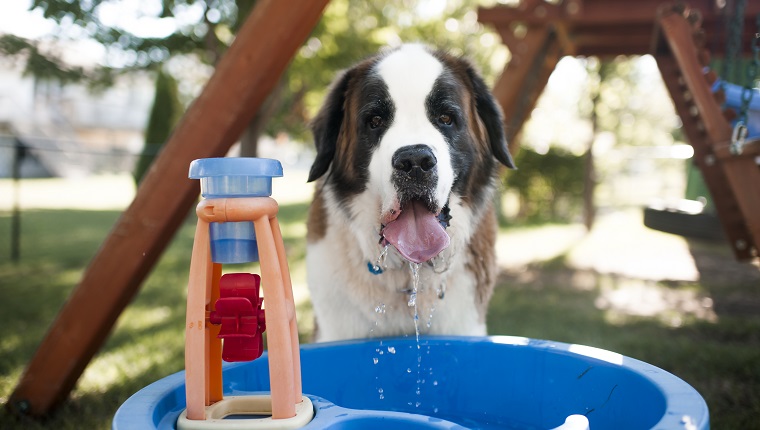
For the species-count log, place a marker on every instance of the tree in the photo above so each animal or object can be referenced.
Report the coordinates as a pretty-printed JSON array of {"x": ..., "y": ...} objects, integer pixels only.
[
  {"x": 164, "y": 115},
  {"x": 349, "y": 30}
]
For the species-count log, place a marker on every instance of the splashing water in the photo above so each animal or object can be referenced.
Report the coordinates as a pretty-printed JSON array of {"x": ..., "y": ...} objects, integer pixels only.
[
  {"x": 440, "y": 264},
  {"x": 441, "y": 290},
  {"x": 430, "y": 318},
  {"x": 380, "y": 311},
  {"x": 380, "y": 263},
  {"x": 415, "y": 268}
]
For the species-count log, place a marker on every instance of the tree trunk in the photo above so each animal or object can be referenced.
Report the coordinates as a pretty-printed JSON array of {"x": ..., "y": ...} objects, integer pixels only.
[
  {"x": 249, "y": 141},
  {"x": 589, "y": 184}
]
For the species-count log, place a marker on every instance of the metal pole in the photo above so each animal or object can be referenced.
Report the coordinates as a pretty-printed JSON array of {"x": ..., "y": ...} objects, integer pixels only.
[{"x": 18, "y": 156}]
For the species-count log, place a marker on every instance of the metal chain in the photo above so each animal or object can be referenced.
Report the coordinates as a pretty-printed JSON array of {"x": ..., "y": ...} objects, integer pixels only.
[
  {"x": 739, "y": 135},
  {"x": 752, "y": 67},
  {"x": 734, "y": 27}
]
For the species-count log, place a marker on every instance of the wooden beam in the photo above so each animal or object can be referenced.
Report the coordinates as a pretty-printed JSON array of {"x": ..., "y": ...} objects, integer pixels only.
[
  {"x": 733, "y": 181},
  {"x": 611, "y": 27},
  {"x": 599, "y": 12},
  {"x": 242, "y": 80},
  {"x": 524, "y": 78},
  {"x": 729, "y": 213}
]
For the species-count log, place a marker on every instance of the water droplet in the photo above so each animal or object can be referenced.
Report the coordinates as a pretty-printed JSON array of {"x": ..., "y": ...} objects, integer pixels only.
[
  {"x": 440, "y": 264},
  {"x": 380, "y": 309},
  {"x": 415, "y": 268},
  {"x": 412, "y": 299},
  {"x": 435, "y": 382},
  {"x": 380, "y": 390},
  {"x": 430, "y": 317},
  {"x": 392, "y": 349},
  {"x": 379, "y": 265},
  {"x": 408, "y": 370},
  {"x": 375, "y": 360},
  {"x": 417, "y": 405},
  {"x": 435, "y": 410}
]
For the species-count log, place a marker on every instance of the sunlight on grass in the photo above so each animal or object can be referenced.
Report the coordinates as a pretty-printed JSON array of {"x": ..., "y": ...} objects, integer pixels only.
[
  {"x": 130, "y": 361},
  {"x": 9, "y": 343},
  {"x": 624, "y": 298},
  {"x": 140, "y": 319},
  {"x": 621, "y": 244},
  {"x": 293, "y": 230}
]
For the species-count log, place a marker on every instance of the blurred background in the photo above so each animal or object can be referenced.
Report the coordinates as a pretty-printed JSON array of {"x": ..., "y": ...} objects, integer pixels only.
[{"x": 91, "y": 89}]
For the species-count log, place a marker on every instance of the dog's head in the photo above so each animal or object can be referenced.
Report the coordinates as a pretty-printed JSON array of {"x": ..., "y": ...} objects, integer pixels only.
[{"x": 410, "y": 127}]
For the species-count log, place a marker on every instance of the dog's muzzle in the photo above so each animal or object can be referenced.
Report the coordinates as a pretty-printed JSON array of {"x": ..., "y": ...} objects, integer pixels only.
[
  {"x": 415, "y": 175},
  {"x": 416, "y": 232}
]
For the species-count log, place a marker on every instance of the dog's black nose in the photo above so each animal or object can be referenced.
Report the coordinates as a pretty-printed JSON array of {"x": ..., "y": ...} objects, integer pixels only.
[{"x": 414, "y": 160}]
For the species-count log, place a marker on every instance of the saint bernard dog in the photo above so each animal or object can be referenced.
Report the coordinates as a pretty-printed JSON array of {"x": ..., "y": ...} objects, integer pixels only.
[{"x": 402, "y": 227}]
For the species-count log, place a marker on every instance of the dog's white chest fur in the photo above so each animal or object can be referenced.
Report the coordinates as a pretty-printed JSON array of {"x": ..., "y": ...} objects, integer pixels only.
[{"x": 353, "y": 302}]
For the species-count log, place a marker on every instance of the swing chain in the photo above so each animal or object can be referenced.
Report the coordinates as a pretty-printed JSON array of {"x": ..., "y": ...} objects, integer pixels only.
[
  {"x": 734, "y": 22},
  {"x": 751, "y": 73},
  {"x": 739, "y": 134}
]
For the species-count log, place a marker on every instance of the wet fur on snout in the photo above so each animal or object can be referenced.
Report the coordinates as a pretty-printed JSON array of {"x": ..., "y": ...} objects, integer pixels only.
[{"x": 357, "y": 191}]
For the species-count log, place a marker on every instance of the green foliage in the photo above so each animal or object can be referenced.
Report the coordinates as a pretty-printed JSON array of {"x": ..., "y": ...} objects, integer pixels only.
[
  {"x": 39, "y": 64},
  {"x": 349, "y": 31},
  {"x": 550, "y": 185},
  {"x": 164, "y": 115}
]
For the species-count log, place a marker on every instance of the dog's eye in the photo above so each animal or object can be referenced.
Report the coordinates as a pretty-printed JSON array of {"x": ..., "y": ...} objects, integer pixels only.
[
  {"x": 445, "y": 119},
  {"x": 375, "y": 122}
]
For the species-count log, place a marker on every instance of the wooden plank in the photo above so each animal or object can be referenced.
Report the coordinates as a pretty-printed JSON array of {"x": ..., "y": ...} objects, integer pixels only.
[
  {"x": 750, "y": 149},
  {"x": 601, "y": 12},
  {"x": 524, "y": 78},
  {"x": 730, "y": 214},
  {"x": 611, "y": 27},
  {"x": 243, "y": 78},
  {"x": 740, "y": 173}
]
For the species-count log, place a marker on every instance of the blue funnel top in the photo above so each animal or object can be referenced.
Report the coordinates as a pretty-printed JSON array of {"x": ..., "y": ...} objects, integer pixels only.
[{"x": 235, "y": 177}]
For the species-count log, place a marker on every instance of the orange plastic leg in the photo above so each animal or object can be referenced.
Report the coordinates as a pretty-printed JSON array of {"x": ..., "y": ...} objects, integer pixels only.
[
  {"x": 278, "y": 315},
  {"x": 214, "y": 359},
  {"x": 288, "y": 287},
  {"x": 195, "y": 336}
]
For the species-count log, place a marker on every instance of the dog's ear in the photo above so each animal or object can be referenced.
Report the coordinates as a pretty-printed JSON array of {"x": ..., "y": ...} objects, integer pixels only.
[
  {"x": 326, "y": 126},
  {"x": 493, "y": 120}
]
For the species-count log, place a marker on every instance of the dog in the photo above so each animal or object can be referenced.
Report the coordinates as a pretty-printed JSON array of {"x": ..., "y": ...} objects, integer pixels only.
[{"x": 402, "y": 227}]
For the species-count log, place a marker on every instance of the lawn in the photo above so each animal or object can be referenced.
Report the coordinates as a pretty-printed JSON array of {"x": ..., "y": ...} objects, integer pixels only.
[{"x": 718, "y": 352}]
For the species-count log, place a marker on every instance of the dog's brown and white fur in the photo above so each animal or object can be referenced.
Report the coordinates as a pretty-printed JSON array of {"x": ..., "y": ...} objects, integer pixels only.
[{"x": 429, "y": 103}]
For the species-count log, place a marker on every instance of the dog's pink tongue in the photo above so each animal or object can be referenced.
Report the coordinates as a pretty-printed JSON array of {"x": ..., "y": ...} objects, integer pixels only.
[{"x": 417, "y": 234}]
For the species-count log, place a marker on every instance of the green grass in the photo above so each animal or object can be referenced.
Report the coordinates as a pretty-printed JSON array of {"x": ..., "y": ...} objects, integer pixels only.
[{"x": 720, "y": 357}]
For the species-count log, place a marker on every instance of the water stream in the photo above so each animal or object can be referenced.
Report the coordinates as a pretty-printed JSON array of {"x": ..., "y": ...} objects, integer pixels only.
[{"x": 415, "y": 268}]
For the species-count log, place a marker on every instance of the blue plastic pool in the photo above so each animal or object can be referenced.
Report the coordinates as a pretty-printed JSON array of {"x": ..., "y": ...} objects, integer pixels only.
[{"x": 453, "y": 382}]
